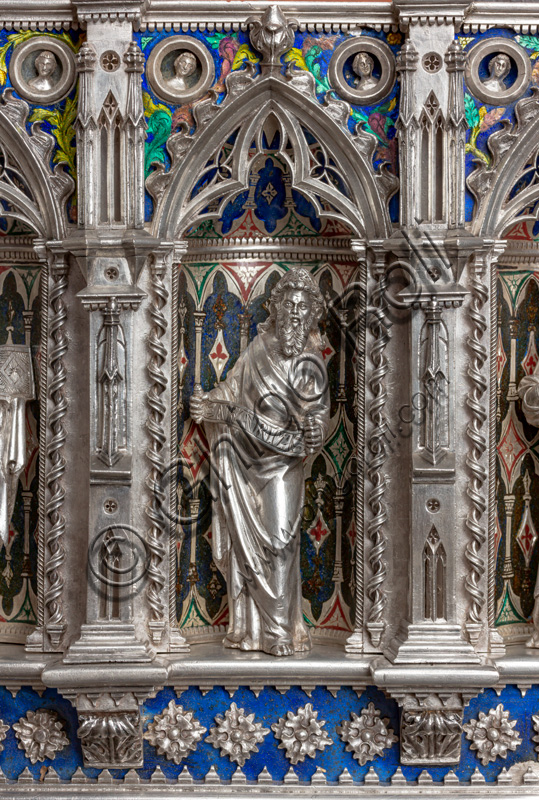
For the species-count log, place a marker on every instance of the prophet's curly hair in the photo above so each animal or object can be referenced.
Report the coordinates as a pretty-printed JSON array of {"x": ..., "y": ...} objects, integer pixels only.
[{"x": 296, "y": 279}]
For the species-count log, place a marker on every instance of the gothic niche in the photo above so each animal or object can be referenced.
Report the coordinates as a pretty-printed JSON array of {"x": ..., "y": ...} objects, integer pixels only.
[{"x": 237, "y": 253}]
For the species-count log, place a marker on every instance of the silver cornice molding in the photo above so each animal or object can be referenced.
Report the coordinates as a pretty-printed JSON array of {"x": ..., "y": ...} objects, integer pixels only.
[
  {"x": 17, "y": 250},
  {"x": 424, "y": 12},
  {"x": 310, "y": 16},
  {"x": 204, "y": 665},
  {"x": 37, "y": 15},
  {"x": 317, "y": 16},
  {"x": 509, "y": 785},
  {"x": 522, "y": 17},
  {"x": 263, "y": 248},
  {"x": 520, "y": 255}
]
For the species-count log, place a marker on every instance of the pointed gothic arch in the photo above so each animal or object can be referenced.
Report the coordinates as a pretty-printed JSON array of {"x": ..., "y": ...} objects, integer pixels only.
[
  {"x": 513, "y": 149},
  {"x": 363, "y": 205},
  {"x": 29, "y": 190}
]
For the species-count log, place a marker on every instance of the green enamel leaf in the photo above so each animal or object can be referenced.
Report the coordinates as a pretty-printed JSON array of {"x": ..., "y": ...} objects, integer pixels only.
[
  {"x": 61, "y": 122},
  {"x": 215, "y": 38},
  {"x": 159, "y": 127},
  {"x": 529, "y": 42},
  {"x": 472, "y": 113}
]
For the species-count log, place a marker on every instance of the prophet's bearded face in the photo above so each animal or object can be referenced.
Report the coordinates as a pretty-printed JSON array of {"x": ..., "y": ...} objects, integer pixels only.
[{"x": 294, "y": 318}]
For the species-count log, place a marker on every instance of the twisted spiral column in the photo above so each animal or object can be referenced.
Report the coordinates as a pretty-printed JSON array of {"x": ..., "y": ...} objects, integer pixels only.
[
  {"x": 177, "y": 642},
  {"x": 157, "y": 547},
  {"x": 376, "y": 593},
  {"x": 474, "y": 459},
  {"x": 496, "y": 644},
  {"x": 479, "y": 551},
  {"x": 55, "y": 551},
  {"x": 354, "y": 643}
]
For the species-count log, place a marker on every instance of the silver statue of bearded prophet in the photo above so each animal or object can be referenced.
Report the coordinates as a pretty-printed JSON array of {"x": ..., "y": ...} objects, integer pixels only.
[{"x": 270, "y": 412}]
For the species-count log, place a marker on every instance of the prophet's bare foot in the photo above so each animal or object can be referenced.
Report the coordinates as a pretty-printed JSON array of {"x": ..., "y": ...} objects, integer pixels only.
[
  {"x": 282, "y": 649},
  {"x": 303, "y": 647},
  {"x": 229, "y": 641}
]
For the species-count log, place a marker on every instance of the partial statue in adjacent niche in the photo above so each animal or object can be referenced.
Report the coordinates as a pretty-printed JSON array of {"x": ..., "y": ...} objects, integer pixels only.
[
  {"x": 528, "y": 390},
  {"x": 16, "y": 387},
  {"x": 271, "y": 411},
  {"x": 363, "y": 66},
  {"x": 185, "y": 68},
  {"x": 498, "y": 69}
]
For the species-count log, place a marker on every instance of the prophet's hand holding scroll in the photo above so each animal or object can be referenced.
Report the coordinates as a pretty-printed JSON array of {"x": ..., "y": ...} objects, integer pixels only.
[
  {"x": 197, "y": 403},
  {"x": 313, "y": 435}
]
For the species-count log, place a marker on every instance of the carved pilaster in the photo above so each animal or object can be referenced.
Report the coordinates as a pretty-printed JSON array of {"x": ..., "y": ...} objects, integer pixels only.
[
  {"x": 54, "y": 555},
  {"x": 110, "y": 125},
  {"x": 135, "y": 135},
  {"x": 162, "y": 534},
  {"x": 86, "y": 131},
  {"x": 377, "y": 370},
  {"x": 354, "y": 643},
  {"x": 408, "y": 132},
  {"x": 455, "y": 60},
  {"x": 479, "y": 552},
  {"x": 116, "y": 551},
  {"x": 432, "y": 631}
]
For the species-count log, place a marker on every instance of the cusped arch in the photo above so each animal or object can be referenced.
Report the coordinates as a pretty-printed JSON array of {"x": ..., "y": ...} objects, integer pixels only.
[
  {"x": 497, "y": 211},
  {"x": 33, "y": 193},
  {"x": 365, "y": 210}
]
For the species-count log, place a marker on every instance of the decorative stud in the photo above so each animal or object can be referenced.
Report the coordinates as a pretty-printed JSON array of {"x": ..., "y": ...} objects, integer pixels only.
[
  {"x": 367, "y": 735},
  {"x": 3, "y": 733},
  {"x": 492, "y": 734},
  {"x": 40, "y": 734},
  {"x": 432, "y": 62},
  {"x": 110, "y": 61},
  {"x": 236, "y": 734},
  {"x": 174, "y": 733},
  {"x": 301, "y": 734}
]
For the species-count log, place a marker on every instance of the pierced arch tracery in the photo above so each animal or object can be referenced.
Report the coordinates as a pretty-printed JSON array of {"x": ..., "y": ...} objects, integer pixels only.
[{"x": 343, "y": 186}]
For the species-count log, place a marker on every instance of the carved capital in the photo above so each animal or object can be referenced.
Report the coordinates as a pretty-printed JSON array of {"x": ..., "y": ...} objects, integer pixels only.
[
  {"x": 128, "y": 300},
  {"x": 431, "y": 735},
  {"x": 86, "y": 58},
  {"x": 134, "y": 59},
  {"x": 110, "y": 730},
  {"x": 455, "y": 58}
]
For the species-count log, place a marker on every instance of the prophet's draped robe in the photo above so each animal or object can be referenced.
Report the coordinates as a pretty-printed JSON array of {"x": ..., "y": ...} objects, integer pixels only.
[{"x": 255, "y": 424}]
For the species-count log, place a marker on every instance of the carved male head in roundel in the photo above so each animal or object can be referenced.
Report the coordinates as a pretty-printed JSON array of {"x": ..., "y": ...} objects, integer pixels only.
[
  {"x": 42, "y": 69},
  {"x": 498, "y": 68},
  {"x": 45, "y": 64},
  {"x": 186, "y": 69},
  {"x": 363, "y": 66}
]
